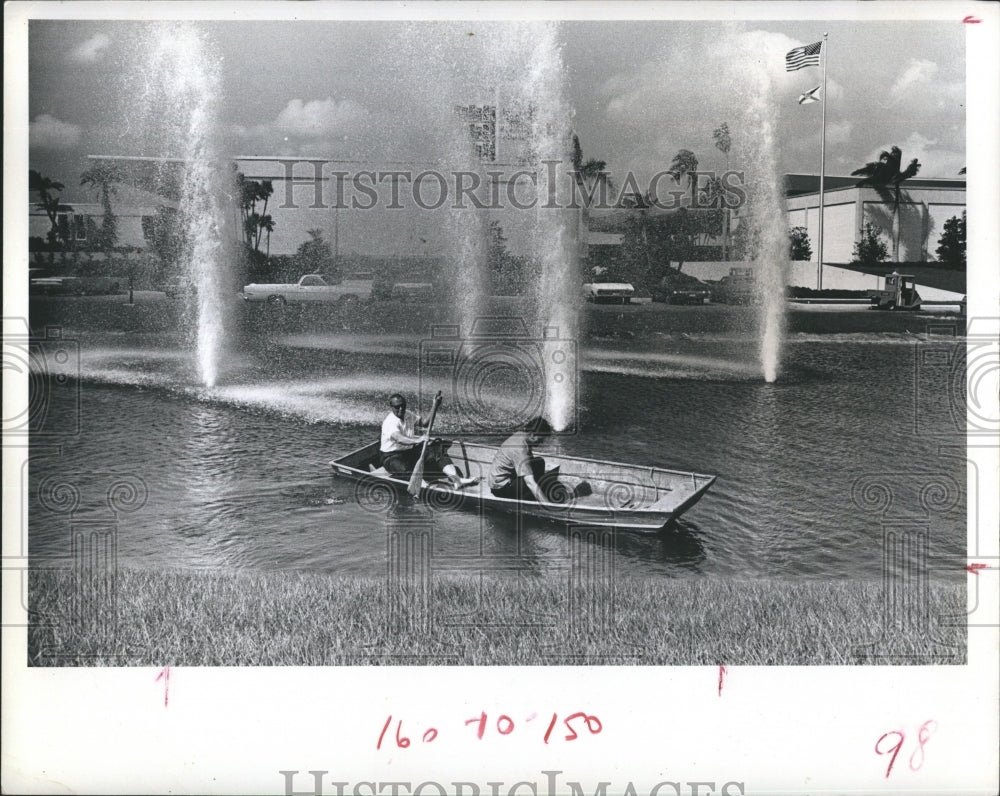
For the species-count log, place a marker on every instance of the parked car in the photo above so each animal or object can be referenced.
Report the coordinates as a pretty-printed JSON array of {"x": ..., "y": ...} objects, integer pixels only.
[
  {"x": 412, "y": 291},
  {"x": 682, "y": 295},
  {"x": 313, "y": 288},
  {"x": 738, "y": 287},
  {"x": 608, "y": 292},
  {"x": 678, "y": 288},
  {"x": 74, "y": 285}
]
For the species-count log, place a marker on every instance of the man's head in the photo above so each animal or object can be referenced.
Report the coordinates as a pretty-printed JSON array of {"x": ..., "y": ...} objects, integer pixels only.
[
  {"x": 398, "y": 405},
  {"x": 538, "y": 430}
]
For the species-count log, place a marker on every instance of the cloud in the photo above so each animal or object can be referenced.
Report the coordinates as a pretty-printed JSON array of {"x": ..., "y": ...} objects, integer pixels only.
[
  {"x": 319, "y": 118},
  {"x": 91, "y": 50},
  {"x": 917, "y": 73},
  {"x": 47, "y": 132},
  {"x": 935, "y": 161},
  {"x": 838, "y": 132}
]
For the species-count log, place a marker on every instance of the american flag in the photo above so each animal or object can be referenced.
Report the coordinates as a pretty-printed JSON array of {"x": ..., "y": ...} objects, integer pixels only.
[{"x": 802, "y": 57}]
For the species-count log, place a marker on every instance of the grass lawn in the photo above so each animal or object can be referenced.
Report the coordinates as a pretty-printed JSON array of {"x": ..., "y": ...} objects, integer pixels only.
[{"x": 196, "y": 618}]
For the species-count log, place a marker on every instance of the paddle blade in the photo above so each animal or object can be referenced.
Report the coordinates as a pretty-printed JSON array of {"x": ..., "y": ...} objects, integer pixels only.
[{"x": 417, "y": 478}]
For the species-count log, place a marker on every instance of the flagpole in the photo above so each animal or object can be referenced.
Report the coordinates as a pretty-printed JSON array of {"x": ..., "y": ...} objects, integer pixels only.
[{"x": 822, "y": 172}]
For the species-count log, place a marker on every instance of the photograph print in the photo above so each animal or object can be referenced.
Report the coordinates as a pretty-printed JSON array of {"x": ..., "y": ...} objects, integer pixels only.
[{"x": 532, "y": 342}]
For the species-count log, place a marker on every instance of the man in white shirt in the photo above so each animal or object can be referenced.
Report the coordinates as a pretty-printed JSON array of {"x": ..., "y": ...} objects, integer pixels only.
[{"x": 401, "y": 446}]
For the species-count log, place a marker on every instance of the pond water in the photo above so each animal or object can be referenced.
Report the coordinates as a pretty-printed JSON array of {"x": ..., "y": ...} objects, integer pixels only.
[{"x": 238, "y": 477}]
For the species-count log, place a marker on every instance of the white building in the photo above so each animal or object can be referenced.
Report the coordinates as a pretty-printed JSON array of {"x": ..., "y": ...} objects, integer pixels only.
[
  {"x": 925, "y": 205},
  {"x": 76, "y": 222}
]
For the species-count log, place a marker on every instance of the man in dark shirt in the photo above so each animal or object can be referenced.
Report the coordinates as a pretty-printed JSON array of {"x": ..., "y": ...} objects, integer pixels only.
[{"x": 515, "y": 470}]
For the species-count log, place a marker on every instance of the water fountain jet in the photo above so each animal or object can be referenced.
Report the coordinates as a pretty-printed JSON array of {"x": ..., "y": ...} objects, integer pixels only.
[
  {"x": 766, "y": 207},
  {"x": 181, "y": 88}
]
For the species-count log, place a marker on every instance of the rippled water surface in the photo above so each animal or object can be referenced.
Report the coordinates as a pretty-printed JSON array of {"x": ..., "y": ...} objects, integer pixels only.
[{"x": 238, "y": 477}]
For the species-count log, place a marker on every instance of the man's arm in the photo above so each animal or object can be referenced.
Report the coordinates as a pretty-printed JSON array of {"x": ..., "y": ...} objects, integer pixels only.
[
  {"x": 406, "y": 439},
  {"x": 536, "y": 490},
  {"x": 523, "y": 469}
]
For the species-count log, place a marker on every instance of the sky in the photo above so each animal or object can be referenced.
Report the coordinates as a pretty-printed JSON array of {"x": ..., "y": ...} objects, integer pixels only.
[{"x": 635, "y": 92}]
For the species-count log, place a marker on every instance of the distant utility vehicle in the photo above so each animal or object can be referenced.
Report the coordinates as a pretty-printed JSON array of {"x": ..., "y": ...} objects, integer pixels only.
[
  {"x": 313, "y": 288},
  {"x": 899, "y": 293}
]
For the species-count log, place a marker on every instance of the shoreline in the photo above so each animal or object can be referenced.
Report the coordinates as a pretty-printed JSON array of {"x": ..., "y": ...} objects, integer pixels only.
[{"x": 153, "y": 312}]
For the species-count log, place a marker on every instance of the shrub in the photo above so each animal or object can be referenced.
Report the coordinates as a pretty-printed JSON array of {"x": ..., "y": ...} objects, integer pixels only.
[{"x": 871, "y": 248}]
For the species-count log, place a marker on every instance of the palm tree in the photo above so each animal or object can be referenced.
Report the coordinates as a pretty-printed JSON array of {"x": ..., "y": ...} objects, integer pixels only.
[
  {"x": 723, "y": 142},
  {"x": 590, "y": 174},
  {"x": 884, "y": 176},
  {"x": 103, "y": 176},
  {"x": 267, "y": 224},
  {"x": 47, "y": 200},
  {"x": 685, "y": 162},
  {"x": 712, "y": 198},
  {"x": 251, "y": 192}
]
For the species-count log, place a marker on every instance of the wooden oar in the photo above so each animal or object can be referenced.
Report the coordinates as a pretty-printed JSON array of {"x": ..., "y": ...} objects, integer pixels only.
[{"x": 418, "y": 470}]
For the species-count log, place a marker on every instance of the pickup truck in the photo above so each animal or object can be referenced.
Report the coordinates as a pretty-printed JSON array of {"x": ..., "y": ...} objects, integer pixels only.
[
  {"x": 608, "y": 292},
  {"x": 313, "y": 288}
]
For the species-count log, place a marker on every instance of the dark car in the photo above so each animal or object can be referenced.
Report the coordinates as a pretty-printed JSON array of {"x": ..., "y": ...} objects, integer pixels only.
[
  {"x": 678, "y": 288},
  {"x": 682, "y": 295}
]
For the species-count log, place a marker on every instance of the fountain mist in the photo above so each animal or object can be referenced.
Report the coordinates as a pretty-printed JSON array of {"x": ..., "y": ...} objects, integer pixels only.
[
  {"x": 436, "y": 137},
  {"x": 767, "y": 216},
  {"x": 556, "y": 286},
  {"x": 181, "y": 88}
]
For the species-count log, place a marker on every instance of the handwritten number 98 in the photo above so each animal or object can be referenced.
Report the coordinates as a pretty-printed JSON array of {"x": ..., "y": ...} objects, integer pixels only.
[{"x": 917, "y": 756}]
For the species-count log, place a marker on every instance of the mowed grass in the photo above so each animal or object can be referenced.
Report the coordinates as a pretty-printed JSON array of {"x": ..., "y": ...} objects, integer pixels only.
[{"x": 185, "y": 618}]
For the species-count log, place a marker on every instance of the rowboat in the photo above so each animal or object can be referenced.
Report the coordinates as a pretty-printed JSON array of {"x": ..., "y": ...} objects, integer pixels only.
[{"x": 579, "y": 491}]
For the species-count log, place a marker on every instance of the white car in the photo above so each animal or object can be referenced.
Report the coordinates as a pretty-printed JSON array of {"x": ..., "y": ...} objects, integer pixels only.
[
  {"x": 613, "y": 292},
  {"x": 313, "y": 288}
]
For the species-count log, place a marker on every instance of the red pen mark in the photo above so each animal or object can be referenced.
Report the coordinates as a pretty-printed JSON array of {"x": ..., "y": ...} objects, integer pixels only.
[
  {"x": 381, "y": 735},
  {"x": 917, "y": 756},
  {"x": 552, "y": 725},
  {"x": 593, "y": 724},
  {"x": 893, "y": 749},
  {"x": 482, "y": 724},
  {"x": 974, "y": 568},
  {"x": 971, "y": 20},
  {"x": 722, "y": 676},
  {"x": 402, "y": 741},
  {"x": 577, "y": 725},
  {"x": 923, "y": 735},
  {"x": 164, "y": 675}
]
